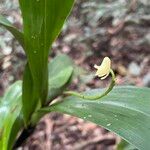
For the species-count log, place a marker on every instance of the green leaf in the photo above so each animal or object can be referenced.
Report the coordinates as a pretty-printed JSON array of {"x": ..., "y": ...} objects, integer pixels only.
[
  {"x": 60, "y": 73},
  {"x": 42, "y": 20},
  {"x": 59, "y": 63},
  {"x": 125, "y": 111},
  {"x": 27, "y": 91},
  {"x": 123, "y": 145},
  {"x": 17, "y": 34},
  {"x": 60, "y": 70},
  {"x": 10, "y": 110},
  {"x": 61, "y": 78}
]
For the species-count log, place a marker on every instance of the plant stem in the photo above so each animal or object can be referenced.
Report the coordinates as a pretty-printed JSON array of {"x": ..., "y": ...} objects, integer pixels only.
[
  {"x": 95, "y": 97},
  {"x": 23, "y": 136}
]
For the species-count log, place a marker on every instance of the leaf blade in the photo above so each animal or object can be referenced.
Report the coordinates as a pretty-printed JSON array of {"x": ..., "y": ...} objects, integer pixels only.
[
  {"x": 42, "y": 21},
  {"x": 10, "y": 110},
  {"x": 125, "y": 111},
  {"x": 17, "y": 34},
  {"x": 61, "y": 69}
]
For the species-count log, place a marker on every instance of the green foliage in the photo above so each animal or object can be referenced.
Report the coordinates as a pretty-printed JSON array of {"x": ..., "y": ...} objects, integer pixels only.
[
  {"x": 10, "y": 115},
  {"x": 126, "y": 111},
  {"x": 59, "y": 75},
  {"x": 42, "y": 22},
  {"x": 10, "y": 105},
  {"x": 59, "y": 72},
  {"x": 18, "y": 35}
]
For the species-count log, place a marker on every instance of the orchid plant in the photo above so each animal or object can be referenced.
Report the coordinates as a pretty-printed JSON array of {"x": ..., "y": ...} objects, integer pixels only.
[{"x": 124, "y": 110}]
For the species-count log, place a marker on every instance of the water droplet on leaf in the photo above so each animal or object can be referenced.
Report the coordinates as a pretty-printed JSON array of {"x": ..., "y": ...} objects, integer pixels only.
[
  {"x": 33, "y": 37},
  {"x": 109, "y": 124},
  {"x": 89, "y": 116}
]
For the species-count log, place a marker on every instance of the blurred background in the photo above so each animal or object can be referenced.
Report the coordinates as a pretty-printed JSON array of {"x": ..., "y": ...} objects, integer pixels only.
[{"x": 119, "y": 29}]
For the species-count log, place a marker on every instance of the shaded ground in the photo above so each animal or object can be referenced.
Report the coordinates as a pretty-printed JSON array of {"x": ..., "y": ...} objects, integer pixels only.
[
  {"x": 86, "y": 39},
  {"x": 62, "y": 132}
]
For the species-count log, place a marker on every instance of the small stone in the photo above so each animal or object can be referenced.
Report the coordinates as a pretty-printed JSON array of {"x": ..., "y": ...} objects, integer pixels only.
[
  {"x": 7, "y": 50},
  {"x": 134, "y": 69},
  {"x": 146, "y": 80}
]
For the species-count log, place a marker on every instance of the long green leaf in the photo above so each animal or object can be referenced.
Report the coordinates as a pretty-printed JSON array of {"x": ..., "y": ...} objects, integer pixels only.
[
  {"x": 60, "y": 70},
  {"x": 27, "y": 91},
  {"x": 42, "y": 20},
  {"x": 60, "y": 79},
  {"x": 17, "y": 34},
  {"x": 10, "y": 110},
  {"x": 125, "y": 111},
  {"x": 60, "y": 74}
]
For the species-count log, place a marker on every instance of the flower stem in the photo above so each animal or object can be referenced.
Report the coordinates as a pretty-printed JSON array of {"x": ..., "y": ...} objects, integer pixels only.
[{"x": 95, "y": 97}]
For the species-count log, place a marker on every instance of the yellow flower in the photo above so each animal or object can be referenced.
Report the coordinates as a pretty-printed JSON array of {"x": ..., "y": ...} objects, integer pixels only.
[{"x": 104, "y": 69}]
